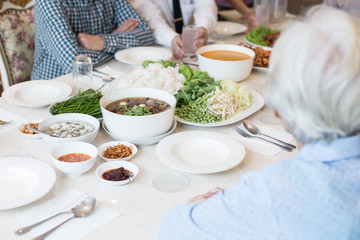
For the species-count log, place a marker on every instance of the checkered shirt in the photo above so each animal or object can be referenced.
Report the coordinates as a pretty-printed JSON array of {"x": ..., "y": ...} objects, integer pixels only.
[{"x": 58, "y": 22}]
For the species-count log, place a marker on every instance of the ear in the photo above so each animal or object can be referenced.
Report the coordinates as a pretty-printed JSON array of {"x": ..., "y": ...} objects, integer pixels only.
[{"x": 276, "y": 114}]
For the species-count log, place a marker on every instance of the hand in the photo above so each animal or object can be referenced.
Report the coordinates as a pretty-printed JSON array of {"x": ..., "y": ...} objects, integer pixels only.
[
  {"x": 251, "y": 20},
  {"x": 93, "y": 42},
  {"x": 201, "y": 38},
  {"x": 207, "y": 195},
  {"x": 176, "y": 45},
  {"x": 128, "y": 25}
]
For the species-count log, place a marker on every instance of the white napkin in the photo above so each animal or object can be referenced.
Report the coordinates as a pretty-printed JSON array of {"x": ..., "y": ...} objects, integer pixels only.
[
  {"x": 260, "y": 146},
  {"x": 112, "y": 72},
  {"x": 75, "y": 228},
  {"x": 7, "y": 116},
  {"x": 98, "y": 81}
]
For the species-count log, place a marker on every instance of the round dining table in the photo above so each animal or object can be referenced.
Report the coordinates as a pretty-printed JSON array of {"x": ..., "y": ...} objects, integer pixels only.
[{"x": 138, "y": 205}]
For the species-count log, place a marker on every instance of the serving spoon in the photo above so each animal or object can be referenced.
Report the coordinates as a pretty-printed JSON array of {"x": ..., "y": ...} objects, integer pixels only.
[
  {"x": 255, "y": 130},
  {"x": 39, "y": 131},
  {"x": 82, "y": 209}
]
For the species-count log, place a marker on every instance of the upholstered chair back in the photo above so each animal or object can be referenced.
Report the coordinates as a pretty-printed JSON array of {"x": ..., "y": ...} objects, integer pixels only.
[{"x": 16, "y": 41}]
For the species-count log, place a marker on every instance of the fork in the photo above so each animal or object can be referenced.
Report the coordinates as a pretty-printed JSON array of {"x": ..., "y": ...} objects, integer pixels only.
[
  {"x": 105, "y": 80},
  {"x": 244, "y": 134},
  {"x": 2, "y": 122}
]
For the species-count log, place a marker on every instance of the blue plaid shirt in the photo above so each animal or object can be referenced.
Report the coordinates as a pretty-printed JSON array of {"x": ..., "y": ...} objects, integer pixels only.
[{"x": 58, "y": 22}]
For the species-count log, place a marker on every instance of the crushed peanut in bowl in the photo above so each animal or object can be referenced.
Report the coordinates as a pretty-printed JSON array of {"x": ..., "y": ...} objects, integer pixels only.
[{"x": 28, "y": 131}]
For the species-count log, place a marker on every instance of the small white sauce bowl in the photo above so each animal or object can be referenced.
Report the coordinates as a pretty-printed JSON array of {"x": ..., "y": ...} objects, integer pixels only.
[
  {"x": 74, "y": 169},
  {"x": 34, "y": 136},
  {"x": 114, "y": 165},
  {"x": 104, "y": 146}
]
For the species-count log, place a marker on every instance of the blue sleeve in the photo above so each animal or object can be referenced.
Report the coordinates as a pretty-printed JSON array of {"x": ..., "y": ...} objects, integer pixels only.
[
  {"x": 141, "y": 36},
  {"x": 58, "y": 37},
  {"x": 244, "y": 211}
]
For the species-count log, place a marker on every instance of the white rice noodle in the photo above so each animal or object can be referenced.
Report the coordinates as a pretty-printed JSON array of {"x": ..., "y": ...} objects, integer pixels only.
[{"x": 154, "y": 76}]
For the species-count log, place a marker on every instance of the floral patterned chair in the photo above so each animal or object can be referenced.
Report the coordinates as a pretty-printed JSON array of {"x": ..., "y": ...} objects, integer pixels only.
[{"x": 16, "y": 41}]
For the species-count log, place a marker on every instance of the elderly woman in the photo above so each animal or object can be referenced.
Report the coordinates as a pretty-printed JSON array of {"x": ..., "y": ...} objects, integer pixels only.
[{"x": 314, "y": 85}]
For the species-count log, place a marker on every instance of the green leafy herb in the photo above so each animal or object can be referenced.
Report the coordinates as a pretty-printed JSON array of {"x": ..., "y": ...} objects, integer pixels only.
[
  {"x": 166, "y": 64},
  {"x": 137, "y": 111},
  {"x": 258, "y": 35},
  {"x": 197, "y": 84},
  {"x": 87, "y": 102}
]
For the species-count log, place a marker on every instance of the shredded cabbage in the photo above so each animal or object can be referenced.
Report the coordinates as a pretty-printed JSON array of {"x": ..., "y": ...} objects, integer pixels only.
[
  {"x": 240, "y": 91},
  {"x": 228, "y": 100}
]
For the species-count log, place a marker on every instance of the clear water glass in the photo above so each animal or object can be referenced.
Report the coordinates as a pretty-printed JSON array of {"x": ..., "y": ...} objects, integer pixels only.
[
  {"x": 82, "y": 73},
  {"x": 280, "y": 8},
  {"x": 188, "y": 36},
  {"x": 263, "y": 10}
]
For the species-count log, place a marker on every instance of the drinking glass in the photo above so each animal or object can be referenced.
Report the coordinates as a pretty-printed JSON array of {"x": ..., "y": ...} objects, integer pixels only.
[
  {"x": 268, "y": 117},
  {"x": 263, "y": 10},
  {"x": 188, "y": 36},
  {"x": 82, "y": 73},
  {"x": 280, "y": 8}
]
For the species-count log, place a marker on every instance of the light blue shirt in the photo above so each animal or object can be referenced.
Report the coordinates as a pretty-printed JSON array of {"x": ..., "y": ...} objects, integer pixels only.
[{"x": 313, "y": 196}]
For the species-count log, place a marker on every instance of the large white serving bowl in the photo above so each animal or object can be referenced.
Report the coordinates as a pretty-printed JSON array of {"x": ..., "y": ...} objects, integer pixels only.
[
  {"x": 226, "y": 70},
  {"x": 74, "y": 168},
  {"x": 77, "y": 117},
  {"x": 138, "y": 126}
]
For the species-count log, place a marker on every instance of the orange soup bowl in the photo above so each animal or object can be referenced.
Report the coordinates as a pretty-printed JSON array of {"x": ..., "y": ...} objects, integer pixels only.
[
  {"x": 226, "y": 61},
  {"x": 74, "y": 158}
]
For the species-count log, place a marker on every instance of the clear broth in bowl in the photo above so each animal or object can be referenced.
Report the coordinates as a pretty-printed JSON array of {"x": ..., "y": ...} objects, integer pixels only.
[
  {"x": 122, "y": 105},
  {"x": 225, "y": 55}
]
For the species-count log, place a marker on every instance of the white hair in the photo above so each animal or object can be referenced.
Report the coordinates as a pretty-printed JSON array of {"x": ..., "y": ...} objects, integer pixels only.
[{"x": 314, "y": 75}]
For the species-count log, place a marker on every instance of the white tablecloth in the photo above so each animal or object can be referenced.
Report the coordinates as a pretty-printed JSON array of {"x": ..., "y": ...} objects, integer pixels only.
[{"x": 140, "y": 205}]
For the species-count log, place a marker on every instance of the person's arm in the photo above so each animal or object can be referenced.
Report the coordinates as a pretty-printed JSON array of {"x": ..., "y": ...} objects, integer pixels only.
[
  {"x": 58, "y": 37},
  {"x": 141, "y": 36},
  {"x": 248, "y": 14},
  {"x": 205, "y": 14},
  {"x": 205, "y": 17},
  {"x": 163, "y": 33},
  {"x": 243, "y": 210}
]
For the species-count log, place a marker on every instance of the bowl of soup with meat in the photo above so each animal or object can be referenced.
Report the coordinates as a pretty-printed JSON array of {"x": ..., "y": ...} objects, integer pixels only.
[
  {"x": 226, "y": 61},
  {"x": 138, "y": 112}
]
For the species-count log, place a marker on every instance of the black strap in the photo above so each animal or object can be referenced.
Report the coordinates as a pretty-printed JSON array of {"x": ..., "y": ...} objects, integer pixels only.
[{"x": 177, "y": 16}]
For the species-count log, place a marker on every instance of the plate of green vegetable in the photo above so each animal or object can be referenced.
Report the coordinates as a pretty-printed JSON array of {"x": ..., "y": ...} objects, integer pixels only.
[
  {"x": 87, "y": 102},
  {"x": 258, "y": 36},
  {"x": 205, "y": 102}
]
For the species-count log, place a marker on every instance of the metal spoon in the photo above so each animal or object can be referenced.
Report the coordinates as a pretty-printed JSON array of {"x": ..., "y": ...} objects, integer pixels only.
[
  {"x": 39, "y": 131},
  {"x": 244, "y": 134},
  {"x": 178, "y": 64},
  {"x": 255, "y": 130},
  {"x": 83, "y": 209},
  {"x": 86, "y": 202}
]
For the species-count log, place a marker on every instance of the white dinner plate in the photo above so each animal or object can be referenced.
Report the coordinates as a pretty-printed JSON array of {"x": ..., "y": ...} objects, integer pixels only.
[
  {"x": 23, "y": 181},
  {"x": 227, "y": 29},
  {"x": 261, "y": 69},
  {"x": 36, "y": 93},
  {"x": 137, "y": 55},
  {"x": 258, "y": 103},
  {"x": 200, "y": 152},
  {"x": 257, "y": 45}
]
